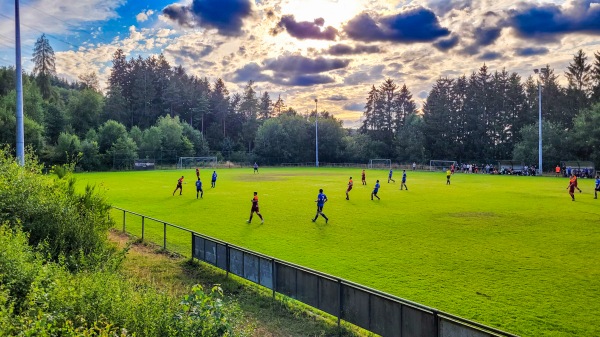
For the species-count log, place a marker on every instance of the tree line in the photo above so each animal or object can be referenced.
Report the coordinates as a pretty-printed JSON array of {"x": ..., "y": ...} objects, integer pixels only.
[{"x": 154, "y": 110}]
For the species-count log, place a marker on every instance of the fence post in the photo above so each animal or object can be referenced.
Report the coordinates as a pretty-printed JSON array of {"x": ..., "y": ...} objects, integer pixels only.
[
  {"x": 193, "y": 247},
  {"x": 143, "y": 217},
  {"x": 123, "y": 221},
  {"x": 227, "y": 258},
  {"x": 436, "y": 324},
  {"x": 165, "y": 236},
  {"x": 274, "y": 277},
  {"x": 340, "y": 308}
]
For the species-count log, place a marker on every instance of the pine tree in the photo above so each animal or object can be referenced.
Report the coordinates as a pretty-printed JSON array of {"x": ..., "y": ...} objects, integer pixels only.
[
  {"x": 264, "y": 107},
  {"x": 580, "y": 85},
  {"x": 278, "y": 106},
  {"x": 369, "y": 113},
  {"x": 595, "y": 76},
  {"x": 437, "y": 124},
  {"x": 404, "y": 106},
  {"x": 44, "y": 65}
]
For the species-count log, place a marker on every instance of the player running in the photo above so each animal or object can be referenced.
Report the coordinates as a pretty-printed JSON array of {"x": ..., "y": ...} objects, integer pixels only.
[
  {"x": 350, "y": 184},
  {"x": 364, "y": 179},
  {"x": 375, "y": 190},
  {"x": 390, "y": 176},
  {"x": 198, "y": 173},
  {"x": 321, "y": 200},
  {"x": 255, "y": 167},
  {"x": 403, "y": 184},
  {"x": 179, "y": 186},
  {"x": 213, "y": 181},
  {"x": 448, "y": 174},
  {"x": 255, "y": 209},
  {"x": 199, "y": 188},
  {"x": 575, "y": 177},
  {"x": 597, "y": 186},
  {"x": 571, "y": 187}
]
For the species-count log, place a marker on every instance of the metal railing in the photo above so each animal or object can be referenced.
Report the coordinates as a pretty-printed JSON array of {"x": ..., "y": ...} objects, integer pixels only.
[{"x": 368, "y": 308}]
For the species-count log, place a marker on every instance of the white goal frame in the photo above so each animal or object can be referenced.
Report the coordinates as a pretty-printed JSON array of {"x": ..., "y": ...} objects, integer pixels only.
[
  {"x": 193, "y": 162},
  {"x": 380, "y": 163},
  {"x": 441, "y": 165}
]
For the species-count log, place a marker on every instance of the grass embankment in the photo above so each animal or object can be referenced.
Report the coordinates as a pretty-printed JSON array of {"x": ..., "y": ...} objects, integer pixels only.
[
  {"x": 511, "y": 252},
  {"x": 263, "y": 316}
]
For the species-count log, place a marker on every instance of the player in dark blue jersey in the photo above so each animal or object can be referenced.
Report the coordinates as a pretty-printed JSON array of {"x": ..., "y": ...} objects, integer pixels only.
[
  {"x": 199, "y": 188},
  {"x": 403, "y": 183},
  {"x": 321, "y": 200},
  {"x": 213, "y": 181},
  {"x": 597, "y": 186},
  {"x": 255, "y": 167},
  {"x": 390, "y": 176},
  {"x": 375, "y": 190}
]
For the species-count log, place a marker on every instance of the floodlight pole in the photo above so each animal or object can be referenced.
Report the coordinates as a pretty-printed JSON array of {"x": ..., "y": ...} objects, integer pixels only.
[
  {"x": 20, "y": 142},
  {"x": 540, "y": 169},
  {"x": 316, "y": 133}
]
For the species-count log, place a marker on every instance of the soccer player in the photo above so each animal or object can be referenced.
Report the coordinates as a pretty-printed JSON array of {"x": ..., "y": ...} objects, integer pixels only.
[
  {"x": 350, "y": 184},
  {"x": 255, "y": 209},
  {"x": 557, "y": 170},
  {"x": 364, "y": 179},
  {"x": 575, "y": 177},
  {"x": 414, "y": 166},
  {"x": 571, "y": 187},
  {"x": 213, "y": 181},
  {"x": 375, "y": 190},
  {"x": 198, "y": 173},
  {"x": 448, "y": 174},
  {"x": 321, "y": 200},
  {"x": 403, "y": 184},
  {"x": 597, "y": 186},
  {"x": 390, "y": 176},
  {"x": 255, "y": 167},
  {"x": 199, "y": 188},
  {"x": 179, "y": 186}
]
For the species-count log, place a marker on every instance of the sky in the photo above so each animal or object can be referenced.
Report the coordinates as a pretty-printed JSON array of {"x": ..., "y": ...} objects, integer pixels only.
[{"x": 330, "y": 50}]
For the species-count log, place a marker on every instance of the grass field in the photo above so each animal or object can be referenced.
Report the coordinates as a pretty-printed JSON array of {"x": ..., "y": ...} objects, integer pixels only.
[{"x": 511, "y": 252}]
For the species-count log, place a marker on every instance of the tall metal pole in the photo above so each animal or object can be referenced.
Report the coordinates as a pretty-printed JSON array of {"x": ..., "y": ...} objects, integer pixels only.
[
  {"x": 316, "y": 133},
  {"x": 20, "y": 128},
  {"x": 540, "y": 128}
]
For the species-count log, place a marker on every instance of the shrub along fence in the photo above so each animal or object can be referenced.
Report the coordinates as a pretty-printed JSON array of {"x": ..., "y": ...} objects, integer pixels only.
[{"x": 373, "y": 310}]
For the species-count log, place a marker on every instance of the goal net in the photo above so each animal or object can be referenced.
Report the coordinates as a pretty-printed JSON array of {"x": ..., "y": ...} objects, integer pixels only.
[
  {"x": 193, "y": 162},
  {"x": 441, "y": 165},
  {"x": 380, "y": 164}
]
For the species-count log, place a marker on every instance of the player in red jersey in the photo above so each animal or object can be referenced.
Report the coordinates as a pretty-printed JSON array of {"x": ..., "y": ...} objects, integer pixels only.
[
  {"x": 350, "y": 184},
  {"x": 179, "y": 186},
  {"x": 198, "y": 173},
  {"x": 255, "y": 209},
  {"x": 575, "y": 177},
  {"x": 364, "y": 179},
  {"x": 571, "y": 187}
]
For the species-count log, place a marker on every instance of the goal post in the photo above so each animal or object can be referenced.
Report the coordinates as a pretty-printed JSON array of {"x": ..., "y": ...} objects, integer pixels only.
[
  {"x": 192, "y": 162},
  {"x": 441, "y": 165},
  {"x": 380, "y": 164}
]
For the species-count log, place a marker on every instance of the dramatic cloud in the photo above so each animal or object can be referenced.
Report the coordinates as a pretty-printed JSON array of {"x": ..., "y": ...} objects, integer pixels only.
[
  {"x": 355, "y": 107},
  {"x": 297, "y": 64},
  {"x": 413, "y": 25},
  {"x": 250, "y": 72},
  {"x": 544, "y": 21},
  {"x": 305, "y": 29},
  {"x": 490, "y": 56},
  {"x": 531, "y": 51},
  {"x": 306, "y": 80},
  {"x": 224, "y": 15},
  {"x": 337, "y": 98},
  {"x": 486, "y": 36},
  {"x": 444, "y": 7},
  {"x": 344, "y": 49},
  {"x": 446, "y": 44}
]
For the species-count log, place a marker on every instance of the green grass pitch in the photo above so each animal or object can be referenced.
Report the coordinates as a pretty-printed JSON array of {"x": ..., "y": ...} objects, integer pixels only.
[{"x": 511, "y": 252}]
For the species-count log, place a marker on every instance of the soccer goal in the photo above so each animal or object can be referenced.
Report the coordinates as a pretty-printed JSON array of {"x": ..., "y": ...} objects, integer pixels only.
[
  {"x": 192, "y": 162},
  {"x": 380, "y": 164},
  {"x": 441, "y": 165}
]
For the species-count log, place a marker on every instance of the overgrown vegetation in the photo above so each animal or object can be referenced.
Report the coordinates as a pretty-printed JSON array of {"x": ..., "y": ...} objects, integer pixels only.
[{"x": 60, "y": 277}]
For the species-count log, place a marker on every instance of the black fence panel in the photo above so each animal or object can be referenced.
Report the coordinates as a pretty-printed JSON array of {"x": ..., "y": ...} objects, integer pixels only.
[
  {"x": 286, "y": 280},
  {"x": 199, "y": 248},
  {"x": 354, "y": 303},
  {"x": 417, "y": 323},
  {"x": 386, "y": 316},
  {"x": 222, "y": 256},
  {"x": 329, "y": 296},
  {"x": 251, "y": 266},
  {"x": 266, "y": 273},
  {"x": 236, "y": 262},
  {"x": 210, "y": 252},
  {"x": 449, "y": 328},
  {"x": 308, "y": 288}
]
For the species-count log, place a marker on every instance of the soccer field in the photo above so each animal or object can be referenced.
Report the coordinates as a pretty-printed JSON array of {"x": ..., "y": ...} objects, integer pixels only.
[{"x": 511, "y": 252}]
